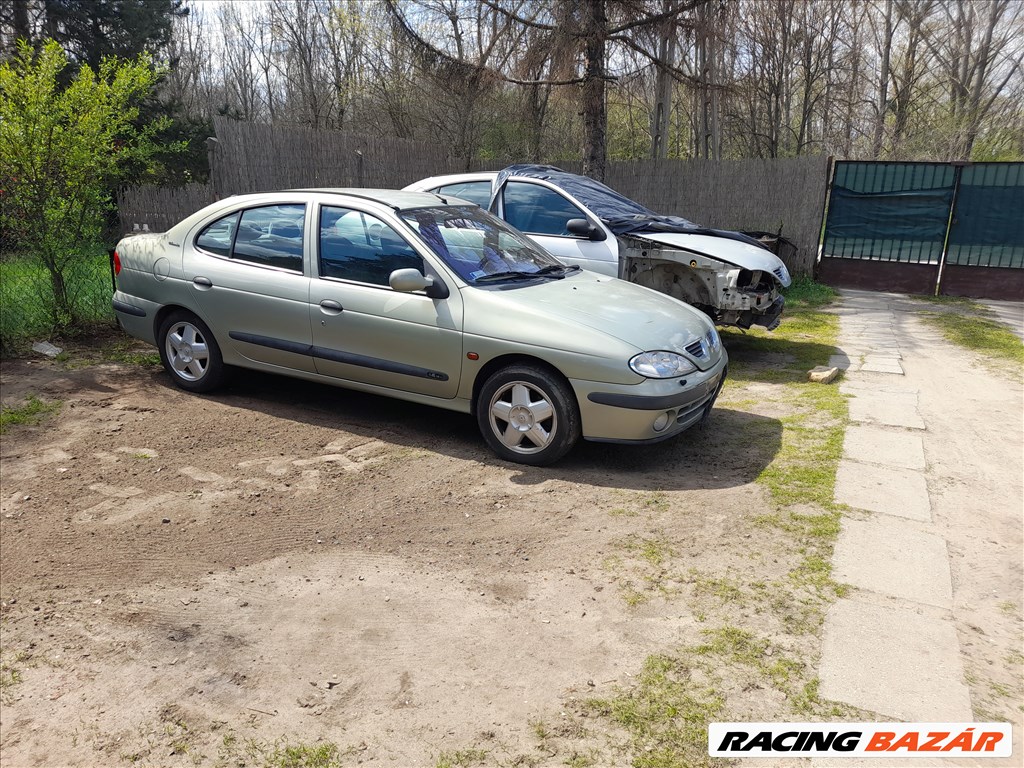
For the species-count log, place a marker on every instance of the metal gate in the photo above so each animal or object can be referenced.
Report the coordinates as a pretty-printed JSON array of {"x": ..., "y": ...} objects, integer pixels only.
[{"x": 932, "y": 228}]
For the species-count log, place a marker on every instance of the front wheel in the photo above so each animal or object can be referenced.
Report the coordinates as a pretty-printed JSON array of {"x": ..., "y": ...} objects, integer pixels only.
[
  {"x": 528, "y": 414},
  {"x": 190, "y": 353}
]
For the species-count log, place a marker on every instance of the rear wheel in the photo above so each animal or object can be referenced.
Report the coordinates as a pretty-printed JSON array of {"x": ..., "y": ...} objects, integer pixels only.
[
  {"x": 190, "y": 353},
  {"x": 528, "y": 414}
]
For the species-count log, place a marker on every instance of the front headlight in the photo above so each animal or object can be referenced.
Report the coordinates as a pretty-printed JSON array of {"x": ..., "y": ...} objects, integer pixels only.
[
  {"x": 661, "y": 365},
  {"x": 712, "y": 338}
]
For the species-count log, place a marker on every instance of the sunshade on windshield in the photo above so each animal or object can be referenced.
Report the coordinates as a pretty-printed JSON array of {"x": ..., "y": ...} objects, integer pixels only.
[{"x": 620, "y": 214}]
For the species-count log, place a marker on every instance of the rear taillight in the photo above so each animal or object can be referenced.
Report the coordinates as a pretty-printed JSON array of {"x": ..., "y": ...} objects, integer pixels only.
[{"x": 117, "y": 264}]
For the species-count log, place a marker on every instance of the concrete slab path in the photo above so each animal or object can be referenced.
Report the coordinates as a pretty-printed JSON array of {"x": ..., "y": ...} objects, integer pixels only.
[{"x": 933, "y": 474}]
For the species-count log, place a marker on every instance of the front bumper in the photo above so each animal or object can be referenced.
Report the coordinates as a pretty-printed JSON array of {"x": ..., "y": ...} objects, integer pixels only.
[
  {"x": 772, "y": 316},
  {"x": 633, "y": 413}
]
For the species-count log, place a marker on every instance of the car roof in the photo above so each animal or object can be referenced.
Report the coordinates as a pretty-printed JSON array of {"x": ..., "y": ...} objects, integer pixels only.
[
  {"x": 393, "y": 198},
  {"x": 389, "y": 198},
  {"x": 453, "y": 178}
]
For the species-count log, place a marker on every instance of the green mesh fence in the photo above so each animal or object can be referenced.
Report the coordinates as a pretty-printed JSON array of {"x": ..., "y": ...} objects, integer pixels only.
[
  {"x": 28, "y": 310},
  {"x": 988, "y": 223},
  {"x": 889, "y": 211},
  {"x": 904, "y": 212}
]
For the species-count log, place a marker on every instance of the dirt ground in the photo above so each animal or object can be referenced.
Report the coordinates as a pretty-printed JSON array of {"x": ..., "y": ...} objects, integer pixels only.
[
  {"x": 288, "y": 563},
  {"x": 286, "y": 560}
]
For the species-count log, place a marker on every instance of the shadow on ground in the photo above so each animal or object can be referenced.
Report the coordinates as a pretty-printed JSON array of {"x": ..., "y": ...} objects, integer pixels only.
[{"x": 731, "y": 449}]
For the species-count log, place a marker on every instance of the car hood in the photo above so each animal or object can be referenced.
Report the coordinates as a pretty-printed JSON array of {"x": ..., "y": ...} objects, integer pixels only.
[
  {"x": 734, "y": 252},
  {"x": 585, "y": 312}
]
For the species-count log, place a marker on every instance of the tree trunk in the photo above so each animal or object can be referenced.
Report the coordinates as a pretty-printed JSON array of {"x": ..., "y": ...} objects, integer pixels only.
[
  {"x": 883, "y": 84},
  {"x": 21, "y": 27},
  {"x": 595, "y": 109},
  {"x": 537, "y": 110},
  {"x": 663, "y": 88}
]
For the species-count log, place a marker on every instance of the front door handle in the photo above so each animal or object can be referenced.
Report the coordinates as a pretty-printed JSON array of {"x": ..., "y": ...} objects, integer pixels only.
[
  {"x": 330, "y": 307},
  {"x": 202, "y": 282}
]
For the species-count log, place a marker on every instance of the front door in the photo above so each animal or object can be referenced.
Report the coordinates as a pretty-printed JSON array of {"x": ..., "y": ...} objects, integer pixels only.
[
  {"x": 542, "y": 213},
  {"x": 363, "y": 331}
]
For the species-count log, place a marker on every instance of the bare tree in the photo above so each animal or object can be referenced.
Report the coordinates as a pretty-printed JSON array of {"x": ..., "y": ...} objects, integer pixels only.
[
  {"x": 979, "y": 57},
  {"x": 594, "y": 78}
]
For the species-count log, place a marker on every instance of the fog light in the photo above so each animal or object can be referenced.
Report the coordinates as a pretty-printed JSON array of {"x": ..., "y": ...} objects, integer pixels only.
[{"x": 662, "y": 421}]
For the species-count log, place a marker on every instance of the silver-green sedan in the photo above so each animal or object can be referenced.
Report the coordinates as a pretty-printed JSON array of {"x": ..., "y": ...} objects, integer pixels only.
[{"x": 425, "y": 298}]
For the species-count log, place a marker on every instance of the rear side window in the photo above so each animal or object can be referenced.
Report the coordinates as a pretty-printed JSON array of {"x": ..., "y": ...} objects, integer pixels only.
[
  {"x": 270, "y": 236},
  {"x": 478, "y": 192},
  {"x": 217, "y": 237}
]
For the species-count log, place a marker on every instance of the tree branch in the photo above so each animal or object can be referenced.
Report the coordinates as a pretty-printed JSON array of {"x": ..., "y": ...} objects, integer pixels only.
[
  {"x": 687, "y": 5},
  {"x": 514, "y": 16}
]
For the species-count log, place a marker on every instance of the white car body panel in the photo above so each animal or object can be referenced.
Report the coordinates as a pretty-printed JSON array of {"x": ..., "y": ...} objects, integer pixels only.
[
  {"x": 735, "y": 252},
  {"x": 634, "y": 256}
]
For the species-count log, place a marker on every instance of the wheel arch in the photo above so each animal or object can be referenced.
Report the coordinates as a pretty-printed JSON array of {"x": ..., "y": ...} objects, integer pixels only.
[
  {"x": 164, "y": 312},
  {"x": 494, "y": 365},
  {"x": 168, "y": 309},
  {"x": 681, "y": 281}
]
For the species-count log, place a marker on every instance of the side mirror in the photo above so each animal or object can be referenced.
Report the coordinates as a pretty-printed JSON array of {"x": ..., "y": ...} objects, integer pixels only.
[
  {"x": 584, "y": 228},
  {"x": 411, "y": 280}
]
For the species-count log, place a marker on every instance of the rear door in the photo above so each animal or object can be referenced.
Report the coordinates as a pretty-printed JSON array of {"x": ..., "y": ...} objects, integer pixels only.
[
  {"x": 247, "y": 274},
  {"x": 363, "y": 331}
]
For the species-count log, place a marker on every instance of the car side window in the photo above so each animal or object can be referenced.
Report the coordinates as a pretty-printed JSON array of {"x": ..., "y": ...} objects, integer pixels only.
[
  {"x": 358, "y": 246},
  {"x": 478, "y": 192},
  {"x": 271, "y": 236},
  {"x": 217, "y": 237},
  {"x": 538, "y": 210}
]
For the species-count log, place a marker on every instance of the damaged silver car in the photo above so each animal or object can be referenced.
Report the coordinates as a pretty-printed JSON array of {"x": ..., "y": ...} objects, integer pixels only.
[{"x": 730, "y": 276}]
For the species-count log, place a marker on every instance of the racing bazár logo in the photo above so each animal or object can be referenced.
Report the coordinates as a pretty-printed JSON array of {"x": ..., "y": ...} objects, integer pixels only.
[{"x": 860, "y": 739}]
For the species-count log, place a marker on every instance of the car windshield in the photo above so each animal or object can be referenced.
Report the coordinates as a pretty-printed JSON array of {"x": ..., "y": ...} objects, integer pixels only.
[{"x": 481, "y": 248}]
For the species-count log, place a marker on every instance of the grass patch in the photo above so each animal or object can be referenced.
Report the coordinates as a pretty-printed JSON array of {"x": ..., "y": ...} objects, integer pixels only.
[
  {"x": 582, "y": 759},
  {"x": 979, "y": 334},
  {"x": 33, "y": 412},
  {"x": 461, "y": 758},
  {"x": 115, "y": 348},
  {"x": 653, "y": 501},
  {"x": 10, "y": 678},
  {"x": 131, "y": 352},
  {"x": 645, "y": 573},
  {"x": 666, "y": 713},
  {"x": 655, "y": 550},
  {"x": 804, "y": 293},
  {"x": 725, "y": 589},
  {"x": 803, "y": 471},
  {"x": 281, "y": 753},
  {"x": 806, "y": 338},
  {"x": 955, "y": 301}
]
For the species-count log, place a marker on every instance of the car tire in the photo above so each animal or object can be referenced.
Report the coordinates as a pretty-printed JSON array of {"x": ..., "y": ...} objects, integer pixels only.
[
  {"x": 189, "y": 353},
  {"x": 528, "y": 414}
]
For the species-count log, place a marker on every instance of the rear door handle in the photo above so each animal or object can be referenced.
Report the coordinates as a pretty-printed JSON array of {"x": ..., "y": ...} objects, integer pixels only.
[
  {"x": 330, "y": 307},
  {"x": 202, "y": 282}
]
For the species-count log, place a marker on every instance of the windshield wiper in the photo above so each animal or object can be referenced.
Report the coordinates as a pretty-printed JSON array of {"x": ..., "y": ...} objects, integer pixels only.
[{"x": 498, "y": 277}]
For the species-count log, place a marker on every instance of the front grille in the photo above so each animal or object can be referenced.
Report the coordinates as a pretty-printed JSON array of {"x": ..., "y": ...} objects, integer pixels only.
[
  {"x": 697, "y": 349},
  {"x": 693, "y": 412}
]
